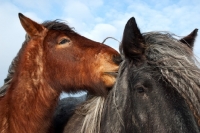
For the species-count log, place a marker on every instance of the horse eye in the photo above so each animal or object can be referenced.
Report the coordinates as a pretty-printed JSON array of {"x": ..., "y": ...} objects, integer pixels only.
[
  {"x": 64, "y": 41},
  {"x": 140, "y": 89}
]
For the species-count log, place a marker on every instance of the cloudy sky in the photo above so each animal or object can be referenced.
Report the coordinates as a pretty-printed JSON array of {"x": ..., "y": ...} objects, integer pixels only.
[{"x": 96, "y": 19}]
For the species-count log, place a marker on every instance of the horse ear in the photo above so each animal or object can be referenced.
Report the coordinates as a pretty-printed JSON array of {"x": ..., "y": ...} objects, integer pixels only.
[
  {"x": 31, "y": 27},
  {"x": 133, "y": 43},
  {"x": 189, "y": 39}
]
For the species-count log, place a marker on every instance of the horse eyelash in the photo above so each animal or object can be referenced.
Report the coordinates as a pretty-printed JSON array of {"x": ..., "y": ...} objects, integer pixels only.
[
  {"x": 140, "y": 88},
  {"x": 63, "y": 41}
]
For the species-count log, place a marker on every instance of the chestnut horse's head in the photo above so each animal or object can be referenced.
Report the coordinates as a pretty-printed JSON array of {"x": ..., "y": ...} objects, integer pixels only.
[{"x": 66, "y": 60}]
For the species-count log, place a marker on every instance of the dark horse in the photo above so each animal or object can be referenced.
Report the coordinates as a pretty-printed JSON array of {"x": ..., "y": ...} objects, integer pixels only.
[
  {"x": 53, "y": 58},
  {"x": 157, "y": 89}
]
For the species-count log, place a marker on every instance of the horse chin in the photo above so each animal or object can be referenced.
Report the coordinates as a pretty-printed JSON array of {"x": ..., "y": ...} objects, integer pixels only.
[
  {"x": 109, "y": 79},
  {"x": 113, "y": 74}
]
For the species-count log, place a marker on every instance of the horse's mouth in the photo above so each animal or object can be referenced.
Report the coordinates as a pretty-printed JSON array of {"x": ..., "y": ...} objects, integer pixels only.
[{"x": 113, "y": 74}]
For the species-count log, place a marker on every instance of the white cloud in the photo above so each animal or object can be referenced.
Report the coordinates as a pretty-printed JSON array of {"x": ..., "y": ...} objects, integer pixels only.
[
  {"x": 42, "y": 6},
  {"x": 93, "y": 4},
  {"x": 101, "y": 31},
  {"x": 78, "y": 15},
  {"x": 78, "y": 10}
]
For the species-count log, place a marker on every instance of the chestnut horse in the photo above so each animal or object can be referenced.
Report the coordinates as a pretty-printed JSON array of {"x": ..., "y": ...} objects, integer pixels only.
[
  {"x": 54, "y": 58},
  {"x": 157, "y": 89}
]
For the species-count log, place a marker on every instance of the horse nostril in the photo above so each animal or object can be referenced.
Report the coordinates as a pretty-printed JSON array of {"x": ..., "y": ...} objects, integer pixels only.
[{"x": 117, "y": 59}]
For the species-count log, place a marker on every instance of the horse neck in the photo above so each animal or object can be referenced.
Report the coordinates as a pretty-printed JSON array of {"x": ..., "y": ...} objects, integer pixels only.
[
  {"x": 30, "y": 101},
  {"x": 25, "y": 106}
]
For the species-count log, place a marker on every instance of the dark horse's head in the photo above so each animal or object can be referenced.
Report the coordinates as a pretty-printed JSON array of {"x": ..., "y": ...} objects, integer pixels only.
[{"x": 158, "y": 86}]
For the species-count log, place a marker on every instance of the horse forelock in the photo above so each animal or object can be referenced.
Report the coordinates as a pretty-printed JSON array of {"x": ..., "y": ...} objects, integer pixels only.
[
  {"x": 58, "y": 25},
  {"x": 177, "y": 65}
]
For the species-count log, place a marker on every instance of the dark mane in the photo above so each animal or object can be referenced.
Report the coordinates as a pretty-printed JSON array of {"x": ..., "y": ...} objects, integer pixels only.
[
  {"x": 170, "y": 63},
  {"x": 178, "y": 66},
  {"x": 58, "y": 25}
]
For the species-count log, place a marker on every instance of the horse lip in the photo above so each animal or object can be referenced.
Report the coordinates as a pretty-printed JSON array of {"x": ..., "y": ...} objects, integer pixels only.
[{"x": 114, "y": 74}]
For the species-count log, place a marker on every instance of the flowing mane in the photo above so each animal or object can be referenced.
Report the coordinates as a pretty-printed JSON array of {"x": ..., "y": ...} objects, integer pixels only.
[{"x": 178, "y": 66}]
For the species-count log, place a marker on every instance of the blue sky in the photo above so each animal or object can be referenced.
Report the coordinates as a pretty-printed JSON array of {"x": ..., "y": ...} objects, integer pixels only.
[{"x": 96, "y": 20}]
